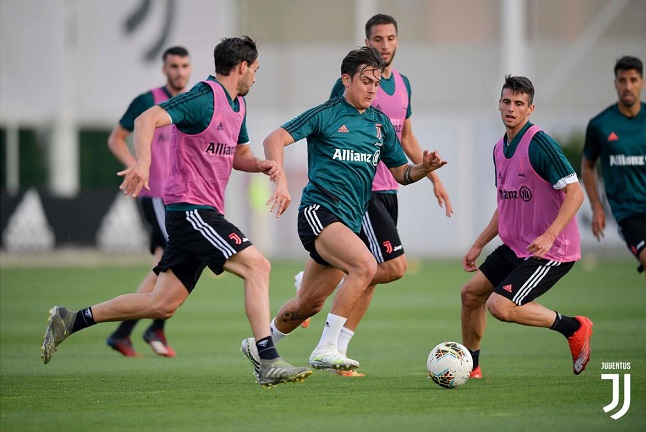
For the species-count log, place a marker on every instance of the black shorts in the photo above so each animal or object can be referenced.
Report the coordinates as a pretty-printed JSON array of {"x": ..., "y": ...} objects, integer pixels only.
[
  {"x": 633, "y": 231},
  {"x": 379, "y": 227},
  {"x": 311, "y": 221},
  {"x": 197, "y": 239},
  {"x": 152, "y": 211},
  {"x": 522, "y": 280}
]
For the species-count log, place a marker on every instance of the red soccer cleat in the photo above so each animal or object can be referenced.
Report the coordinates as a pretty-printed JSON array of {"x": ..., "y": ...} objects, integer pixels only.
[
  {"x": 157, "y": 341},
  {"x": 123, "y": 345},
  {"x": 350, "y": 373},
  {"x": 476, "y": 373},
  {"x": 580, "y": 345}
]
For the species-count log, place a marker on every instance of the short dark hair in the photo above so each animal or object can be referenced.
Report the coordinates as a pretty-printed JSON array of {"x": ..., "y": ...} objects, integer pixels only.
[
  {"x": 519, "y": 84},
  {"x": 627, "y": 63},
  {"x": 364, "y": 56},
  {"x": 379, "y": 19},
  {"x": 176, "y": 50},
  {"x": 230, "y": 52}
]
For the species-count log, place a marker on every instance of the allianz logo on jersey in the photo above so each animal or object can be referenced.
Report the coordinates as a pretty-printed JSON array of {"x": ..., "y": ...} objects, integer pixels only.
[
  {"x": 524, "y": 193},
  {"x": 624, "y": 160},
  {"x": 348, "y": 155},
  {"x": 220, "y": 149}
]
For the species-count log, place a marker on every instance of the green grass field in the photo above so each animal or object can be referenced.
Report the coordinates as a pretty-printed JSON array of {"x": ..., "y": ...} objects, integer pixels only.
[{"x": 528, "y": 384}]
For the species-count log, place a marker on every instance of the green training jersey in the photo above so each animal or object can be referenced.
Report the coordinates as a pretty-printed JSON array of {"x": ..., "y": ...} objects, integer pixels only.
[
  {"x": 545, "y": 156},
  {"x": 192, "y": 112},
  {"x": 343, "y": 150},
  {"x": 620, "y": 142},
  {"x": 139, "y": 104}
]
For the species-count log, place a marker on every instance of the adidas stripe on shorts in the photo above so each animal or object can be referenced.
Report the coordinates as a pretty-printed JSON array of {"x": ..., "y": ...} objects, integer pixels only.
[
  {"x": 197, "y": 239},
  {"x": 522, "y": 280}
]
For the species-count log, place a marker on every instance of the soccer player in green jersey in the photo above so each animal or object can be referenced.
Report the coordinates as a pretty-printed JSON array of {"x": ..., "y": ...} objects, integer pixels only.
[
  {"x": 379, "y": 226},
  {"x": 617, "y": 136},
  {"x": 346, "y": 139}
]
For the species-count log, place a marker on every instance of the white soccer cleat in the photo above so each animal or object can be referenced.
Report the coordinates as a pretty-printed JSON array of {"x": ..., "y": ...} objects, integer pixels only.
[
  {"x": 278, "y": 371},
  {"x": 59, "y": 327},
  {"x": 331, "y": 360},
  {"x": 249, "y": 349}
]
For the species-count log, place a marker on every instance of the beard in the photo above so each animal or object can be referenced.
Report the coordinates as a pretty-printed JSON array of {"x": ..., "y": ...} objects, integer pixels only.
[
  {"x": 628, "y": 102},
  {"x": 177, "y": 85},
  {"x": 392, "y": 57}
]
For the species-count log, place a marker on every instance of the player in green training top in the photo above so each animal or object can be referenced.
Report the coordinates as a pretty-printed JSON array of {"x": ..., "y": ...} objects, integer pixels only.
[
  {"x": 346, "y": 139},
  {"x": 618, "y": 137}
]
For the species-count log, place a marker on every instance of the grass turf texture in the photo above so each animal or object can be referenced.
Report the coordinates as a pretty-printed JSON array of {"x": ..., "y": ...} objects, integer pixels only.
[{"x": 528, "y": 384}]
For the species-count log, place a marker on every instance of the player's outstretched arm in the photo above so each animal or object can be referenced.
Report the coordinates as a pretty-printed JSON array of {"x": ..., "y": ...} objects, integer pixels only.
[
  {"x": 135, "y": 178},
  {"x": 274, "y": 146},
  {"x": 244, "y": 160},
  {"x": 407, "y": 174},
  {"x": 413, "y": 150}
]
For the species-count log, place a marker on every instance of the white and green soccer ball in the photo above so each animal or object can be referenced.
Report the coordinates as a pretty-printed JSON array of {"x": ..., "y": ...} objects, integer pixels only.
[{"x": 449, "y": 364}]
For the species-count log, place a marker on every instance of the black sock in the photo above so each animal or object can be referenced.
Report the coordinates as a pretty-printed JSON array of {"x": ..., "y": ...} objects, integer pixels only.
[
  {"x": 475, "y": 355},
  {"x": 266, "y": 349},
  {"x": 157, "y": 324},
  {"x": 83, "y": 319},
  {"x": 124, "y": 329},
  {"x": 565, "y": 325}
]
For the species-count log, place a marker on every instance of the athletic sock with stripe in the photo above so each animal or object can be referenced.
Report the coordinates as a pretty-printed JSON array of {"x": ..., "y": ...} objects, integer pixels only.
[{"x": 565, "y": 325}]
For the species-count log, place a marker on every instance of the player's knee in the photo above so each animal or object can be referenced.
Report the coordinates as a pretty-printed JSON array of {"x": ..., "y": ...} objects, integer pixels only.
[
  {"x": 498, "y": 310},
  {"x": 256, "y": 268},
  {"x": 164, "y": 311},
  {"x": 468, "y": 296},
  {"x": 261, "y": 265},
  {"x": 395, "y": 269},
  {"x": 365, "y": 269}
]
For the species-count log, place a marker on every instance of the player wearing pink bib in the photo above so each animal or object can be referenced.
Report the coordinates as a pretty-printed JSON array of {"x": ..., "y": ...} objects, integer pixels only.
[
  {"x": 177, "y": 68},
  {"x": 538, "y": 195},
  {"x": 210, "y": 139}
]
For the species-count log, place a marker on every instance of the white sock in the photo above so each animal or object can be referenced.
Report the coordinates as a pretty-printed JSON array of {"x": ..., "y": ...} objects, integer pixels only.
[
  {"x": 331, "y": 331},
  {"x": 276, "y": 334},
  {"x": 344, "y": 339}
]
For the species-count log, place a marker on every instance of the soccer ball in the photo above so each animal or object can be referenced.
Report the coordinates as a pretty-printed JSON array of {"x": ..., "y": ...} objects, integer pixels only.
[{"x": 449, "y": 364}]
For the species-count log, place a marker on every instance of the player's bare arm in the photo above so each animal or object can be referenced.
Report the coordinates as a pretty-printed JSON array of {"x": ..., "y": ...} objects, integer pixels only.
[
  {"x": 274, "y": 146},
  {"x": 136, "y": 177},
  {"x": 118, "y": 146},
  {"x": 407, "y": 174},
  {"x": 413, "y": 150},
  {"x": 244, "y": 160},
  {"x": 573, "y": 200},
  {"x": 589, "y": 178},
  {"x": 488, "y": 234}
]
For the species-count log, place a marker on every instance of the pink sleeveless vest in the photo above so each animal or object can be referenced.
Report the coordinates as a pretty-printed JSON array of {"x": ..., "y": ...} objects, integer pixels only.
[
  {"x": 159, "y": 152},
  {"x": 201, "y": 164},
  {"x": 527, "y": 205},
  {"x": 395, "y": 107}
]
